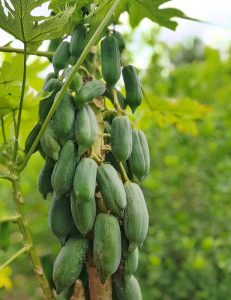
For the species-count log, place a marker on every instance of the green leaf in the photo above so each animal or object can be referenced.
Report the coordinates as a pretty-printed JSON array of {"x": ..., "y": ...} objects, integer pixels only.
[
  {"x": 17, "y": 20},
  {"x": 140, "y": 9},
  {"x": 60, "y": 5}
]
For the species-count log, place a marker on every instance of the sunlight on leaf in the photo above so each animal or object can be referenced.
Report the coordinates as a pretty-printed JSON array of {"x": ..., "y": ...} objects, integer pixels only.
[{"x": 5, "y": 281}]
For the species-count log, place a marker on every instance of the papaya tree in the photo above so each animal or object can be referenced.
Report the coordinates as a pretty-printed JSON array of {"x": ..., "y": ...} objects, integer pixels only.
[{"x": 94, "y": 157}]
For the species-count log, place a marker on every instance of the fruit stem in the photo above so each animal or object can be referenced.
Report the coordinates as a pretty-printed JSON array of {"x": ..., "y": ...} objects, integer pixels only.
[{"x": 123, "y": 172}]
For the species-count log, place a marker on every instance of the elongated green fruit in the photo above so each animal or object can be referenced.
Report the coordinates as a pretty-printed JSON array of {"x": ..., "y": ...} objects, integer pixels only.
[
  {"x": 51, "y": 87},
  {"x": 69, "y": 262},
  {"x": 106, "y": 245},
  {"x": 112, "y": 189},
  {"x": 31, "y": 138},
  {"x": 86, "y": 129},
  {"x": 49, "y": 143},
  {"x": 61, "y": 56},
  {"x": 139, "y": 161},
  {"x": 83, "y": 214},
  {"x": 120, "y": 97},
  {"x": 49, "y": 76},
  {"x": 4, "y": 235},
  {"x": 78, "y": 41},
  {"x": 64, "y": 118},
  {"x": 131, "y": 262},
  {"x": 121, "y": 138},
  {"x": 85, "y": 180},
  {"x": 44, "y": 181},
  {"x": 136, "y": 217},
  {"x": 64, "y": 170},
  {"x": 76, "y": 82},
  {"x": 126, "y": 290},
  {"x": 110, "y": 60},
  {"x": 60, "y": 218},
  {"x": 132, "y": 87},
  {"x": 120, "y": 40},
  {"x": 89, "y": 91}
]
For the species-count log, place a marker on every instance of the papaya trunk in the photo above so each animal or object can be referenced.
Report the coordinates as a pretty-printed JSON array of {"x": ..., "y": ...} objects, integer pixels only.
[{"x": 98, "y": 291}]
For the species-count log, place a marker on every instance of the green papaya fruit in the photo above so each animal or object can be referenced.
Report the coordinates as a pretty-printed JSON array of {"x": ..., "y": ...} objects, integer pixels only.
[
  {"x": 49, "y": 76},
  {"x": 86, "y": 129},
  {"x": 61, "y": 57},
  {"x": 47, "y": 264},
  {"x": 64, "y": 118},
  {"x": 78, "y": 41},
  {"x": 110, "y": 60},
  {"x": 53, "y": 86},
  {"x": 44, "y": 181},
  {"x": 130, "y": 263},
  {"x": 69, "y": 262},
  {"x": 4, "y": 235},
  {"x": 112, "y": 189},
  {"x": 121, "y": 138},
  {"x": 64, "y": 170},
  {"x": 76, "y": 82},
  {"x": 85, "y": 180},
  {"x": 135, "y": 219},
  {"x": 60, "y": 218},
  {"x": 126, "y": 290},
  {"x": 31, "y": 138},
  {"x": 84, "y": 214},
  {"x": 49, "y": 143},
  {"x": 132, "y": 87},
  {"x": 89, "y": 91},
  {"x": 53, "y": 45},
  {"x": 120, "y": 97},
  {"x": 120, "y": 40},
  {"x": 106, "y": 245},
  {"x": 139, "y": 161}
]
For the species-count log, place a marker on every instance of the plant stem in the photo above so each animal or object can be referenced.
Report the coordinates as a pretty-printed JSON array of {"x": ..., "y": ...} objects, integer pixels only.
[
  {"x": 10, "y": 219},
  {"x": 15, "y": 256},
  {"x": 116, "y": 102},
  {"x": 60, "y": 95},
  {"x": 27, "y": 238},
  {"x": 21, "y": 51},
  {"x": 123, "y": 172},
  {"x": 15, "y": 151},
  {"x": 3, "y": 130},
  {"x": 14, "y": 120},
  {"x": 7, "y": 177}
]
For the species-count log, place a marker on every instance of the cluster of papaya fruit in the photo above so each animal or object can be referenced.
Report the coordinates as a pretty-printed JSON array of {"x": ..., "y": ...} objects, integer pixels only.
[{"x": 97, "y": 205}]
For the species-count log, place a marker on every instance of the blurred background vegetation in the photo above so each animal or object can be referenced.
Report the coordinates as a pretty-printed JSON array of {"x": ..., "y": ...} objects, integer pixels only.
[{"x": 186, "y": 116}]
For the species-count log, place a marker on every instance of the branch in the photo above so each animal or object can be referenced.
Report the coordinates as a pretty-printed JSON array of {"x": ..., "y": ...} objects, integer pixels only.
[
  {"x": 21, "y": 51},
  {"x": 19, "y": 253},
  {"x": 10, "y": 219},
  {"x": 79, "y": 62},
  {"x": 8, "y": 177}
]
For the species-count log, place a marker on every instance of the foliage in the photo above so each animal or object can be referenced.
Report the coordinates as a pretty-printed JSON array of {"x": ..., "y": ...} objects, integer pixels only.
[{"x": 188, "y": 190}]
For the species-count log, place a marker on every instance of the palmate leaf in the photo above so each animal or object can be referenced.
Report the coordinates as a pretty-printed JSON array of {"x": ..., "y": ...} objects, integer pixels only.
[
  {"x": 60, "y": 5},
  {"x": 140, "y": 9},
  {"x": 16, "y": 19}
]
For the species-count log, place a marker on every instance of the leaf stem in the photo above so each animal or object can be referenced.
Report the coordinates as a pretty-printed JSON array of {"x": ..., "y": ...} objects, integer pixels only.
[
  {"x": 14, "y": 120},
  {"x": 24, "y": 250},
  {"x": 79, "y": 62},
  {"x": 21, "y": 51},
  {"x": 3, "y": 130},
  {"x": 15, "y": 151}
]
